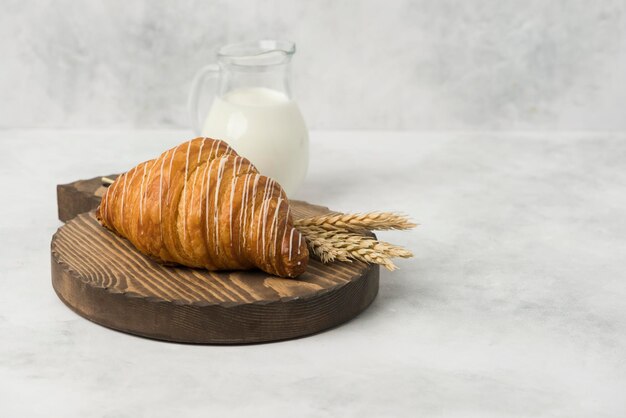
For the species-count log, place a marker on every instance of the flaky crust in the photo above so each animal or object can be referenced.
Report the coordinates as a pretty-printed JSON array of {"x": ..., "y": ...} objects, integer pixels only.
[{"x": 202, "y": 205}]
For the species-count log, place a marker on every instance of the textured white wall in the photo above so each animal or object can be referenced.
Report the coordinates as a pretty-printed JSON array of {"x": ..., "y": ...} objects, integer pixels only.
[{"x": 427, "y": 65}]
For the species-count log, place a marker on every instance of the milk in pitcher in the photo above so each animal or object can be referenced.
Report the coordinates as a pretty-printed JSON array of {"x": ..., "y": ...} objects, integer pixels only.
[{"x": 265, "y": 126}]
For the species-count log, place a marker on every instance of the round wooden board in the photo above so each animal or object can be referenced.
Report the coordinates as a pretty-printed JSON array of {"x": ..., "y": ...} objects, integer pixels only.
[{"x": 102, "y": 277}]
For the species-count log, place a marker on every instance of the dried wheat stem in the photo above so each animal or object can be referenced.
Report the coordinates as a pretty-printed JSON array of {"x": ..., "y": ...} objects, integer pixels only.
[{"x": 358, "y": 221}]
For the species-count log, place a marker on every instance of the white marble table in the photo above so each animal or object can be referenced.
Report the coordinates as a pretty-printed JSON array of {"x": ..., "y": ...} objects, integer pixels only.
[{"x": 515, "y": 304}]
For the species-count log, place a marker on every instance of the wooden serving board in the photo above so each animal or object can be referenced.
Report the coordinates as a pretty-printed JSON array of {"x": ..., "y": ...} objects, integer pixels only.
[{"x": 102, "y": 277}]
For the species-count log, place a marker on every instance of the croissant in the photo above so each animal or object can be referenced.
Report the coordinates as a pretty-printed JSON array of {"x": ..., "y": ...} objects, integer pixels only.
[{"x": 202, "y": 205}]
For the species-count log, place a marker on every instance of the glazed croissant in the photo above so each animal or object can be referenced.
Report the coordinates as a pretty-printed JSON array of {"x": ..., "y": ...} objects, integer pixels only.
[{"x": 202, "y": 205}]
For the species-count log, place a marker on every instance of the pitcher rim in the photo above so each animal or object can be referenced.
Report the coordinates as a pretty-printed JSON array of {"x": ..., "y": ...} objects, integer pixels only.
[{"x": 256, "y": 48}]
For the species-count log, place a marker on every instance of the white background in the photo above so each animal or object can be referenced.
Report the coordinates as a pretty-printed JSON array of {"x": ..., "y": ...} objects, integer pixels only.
[{"x": 405, "y": 65}]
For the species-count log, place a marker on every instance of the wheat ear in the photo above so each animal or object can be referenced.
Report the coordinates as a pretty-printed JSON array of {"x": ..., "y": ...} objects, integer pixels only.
[
  {"x": 345, "y": 245},
  {"x": 358, "y": 222}
]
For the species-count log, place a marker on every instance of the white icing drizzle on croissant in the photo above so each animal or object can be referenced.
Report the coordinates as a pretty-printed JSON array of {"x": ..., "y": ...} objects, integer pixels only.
[
  {"x": 244, "y": 213},
  {"x": 254, "y": 187},
  {"x": 185, "y": 191},
  {"x": 124, "y": 191},
  {"x": 161, "y": 194},
  {"x": 291, "y": 244},
  {"x": 233, "y": 185},
  {"x": 273, "y": 228},
  {"x": 169, "y": 173},
  {"x": 206, "y": 198},
  {"x": 142, "y": 193},
  {"x": 216, "y": 206}
]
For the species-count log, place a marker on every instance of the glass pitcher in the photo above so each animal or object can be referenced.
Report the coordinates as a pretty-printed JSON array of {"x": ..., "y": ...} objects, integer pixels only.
[{"x": 253, "y": 109}]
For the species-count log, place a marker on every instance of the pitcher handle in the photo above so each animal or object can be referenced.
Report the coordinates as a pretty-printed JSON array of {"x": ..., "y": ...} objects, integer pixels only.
[{"x": 210, "y": 71}]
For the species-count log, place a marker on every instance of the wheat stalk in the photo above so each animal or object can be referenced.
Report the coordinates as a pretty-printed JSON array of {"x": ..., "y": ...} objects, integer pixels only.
[
  {"x": 358, "y": 222},
  {"x": 345, "y": 245}
]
